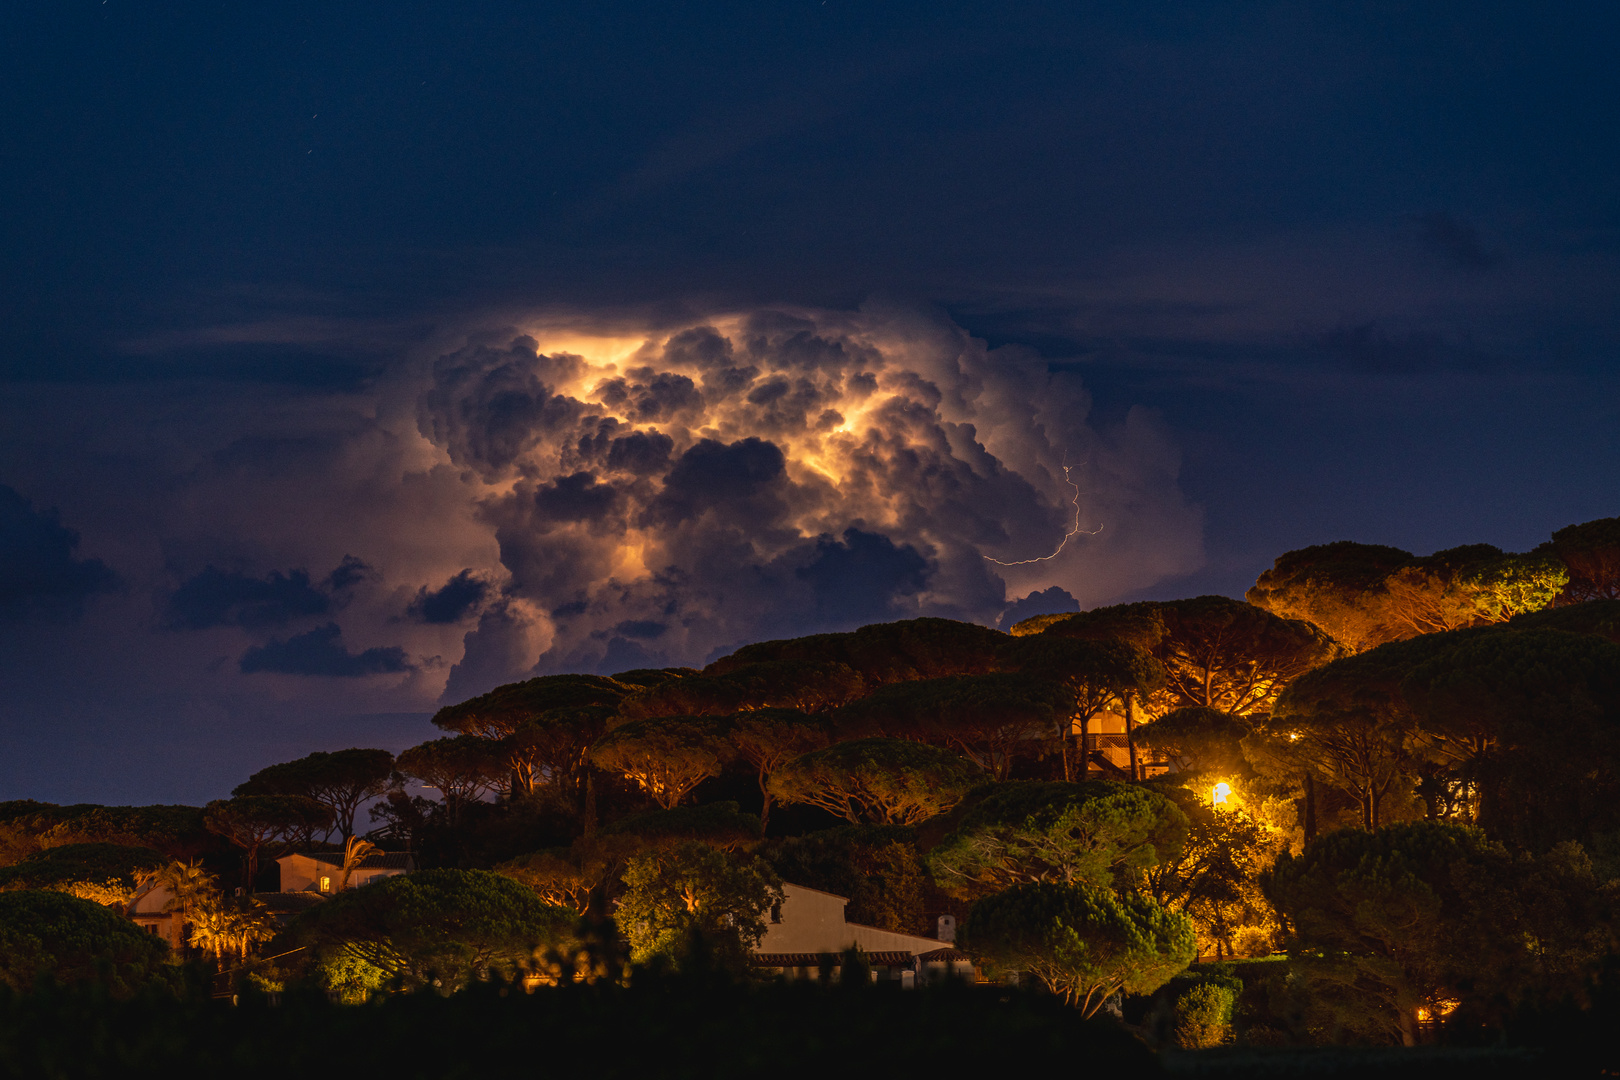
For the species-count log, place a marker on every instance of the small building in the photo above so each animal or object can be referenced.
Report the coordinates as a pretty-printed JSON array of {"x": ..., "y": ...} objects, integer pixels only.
[
  {"x": 1108, "y": 753},
  {"x": 808, "y": 935},
  {"x": 322, "y": 871},
  {"x": 150, "y": 911}
]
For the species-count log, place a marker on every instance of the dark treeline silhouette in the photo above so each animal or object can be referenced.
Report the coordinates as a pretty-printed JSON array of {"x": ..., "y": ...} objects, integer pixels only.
[{"x": 1373, "y": 802}]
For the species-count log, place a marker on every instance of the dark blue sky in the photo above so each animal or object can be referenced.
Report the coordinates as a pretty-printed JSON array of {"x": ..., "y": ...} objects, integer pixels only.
[{"x": 1297, "y": 273}]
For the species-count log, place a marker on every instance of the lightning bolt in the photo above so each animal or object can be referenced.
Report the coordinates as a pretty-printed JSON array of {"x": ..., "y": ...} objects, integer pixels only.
[{"x": 1071, "y": 534}]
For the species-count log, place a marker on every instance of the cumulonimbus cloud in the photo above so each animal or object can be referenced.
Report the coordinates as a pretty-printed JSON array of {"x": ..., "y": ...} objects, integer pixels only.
[{"x": 659, "y": 498}]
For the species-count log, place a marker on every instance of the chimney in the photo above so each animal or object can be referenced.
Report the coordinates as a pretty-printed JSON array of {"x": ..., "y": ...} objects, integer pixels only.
[{"x": 945, "y": 928}]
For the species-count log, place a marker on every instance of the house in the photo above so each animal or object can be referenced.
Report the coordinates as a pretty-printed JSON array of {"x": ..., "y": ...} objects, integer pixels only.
[
  {"x": 1108, "y": 750},
  {"x": 808, "y": 934},
  {"x": 322, "y": 871},
  {"x": 149, "y": 911}
]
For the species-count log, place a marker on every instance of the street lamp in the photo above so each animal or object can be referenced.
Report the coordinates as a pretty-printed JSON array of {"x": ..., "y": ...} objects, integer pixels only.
[{"x": 1220, "y": 793}]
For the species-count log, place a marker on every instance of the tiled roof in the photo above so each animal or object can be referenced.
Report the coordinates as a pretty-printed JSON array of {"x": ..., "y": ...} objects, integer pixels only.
[
  {"x": 810, "y": 959},
  {"x": 823, "y": 892},
  {"x": 943, "y": 956},
  {"x": 377, "y": 860},
  {"x": 288, "y": 903}
]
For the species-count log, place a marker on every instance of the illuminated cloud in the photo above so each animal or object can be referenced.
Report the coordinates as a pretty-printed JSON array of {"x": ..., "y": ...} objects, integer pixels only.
[{"x": 662, "y": 497}]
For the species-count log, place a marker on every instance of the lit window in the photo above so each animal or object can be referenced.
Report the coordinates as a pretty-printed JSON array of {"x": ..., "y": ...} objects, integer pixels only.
[{"x": 326, "y": 884}]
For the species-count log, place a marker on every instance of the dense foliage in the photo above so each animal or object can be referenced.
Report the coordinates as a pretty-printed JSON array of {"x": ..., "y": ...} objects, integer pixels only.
[
  {"x": 1085, "y": 942},
  {"x": 45, "y": 933},
  {"x": 1401, "y": 771},
  {"x": 439, "y": 927},
  {"x": 676, "y": 1026},
  {"x": 103, "y": 873}
]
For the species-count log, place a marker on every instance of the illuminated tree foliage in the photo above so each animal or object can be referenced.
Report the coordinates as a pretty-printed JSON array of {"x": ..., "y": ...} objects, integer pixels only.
[
  {"x": 1083, "y": 941},
  {"x": 1228, "y": 655},
  {"x": 1592, "y": 553},
  {"x": 339, "y": 781},
  {"x": 877, "y": 781},
  {"x": 102, "y": 873},
  {"x": 1340, "y": 587},
  {"x": 989, "y": 718},
  {"x": 581, "y": 877},
  {"x": 1365, "y": 594},
  {"x": 1100, "y": 832},
  {"x": 255, "y": 823},
  {"x": 1214, "y": 876},
  {"x": 769, "y": 738},
  {"x": 667, "y": 756},
  {"x": 73, "y": 941},
  {"x": 585, "y": 876},
  {"x": 442, "y": 927},
  {"x": 228, "y": 927},
  {"x": 672, "y": 894},
  {"x": 1217, "y": 652},
  {"x": 1202, "y": 740}
]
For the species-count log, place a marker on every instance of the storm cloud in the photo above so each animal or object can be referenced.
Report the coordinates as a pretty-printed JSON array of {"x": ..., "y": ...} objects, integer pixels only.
[
  {"x": 217, "y": 597},
  {"x": 662, "y": 497},
  {"x": 39, "y": 572},
  {"x": 321, "y": 652},
  {"x": 451, "y": 602}
]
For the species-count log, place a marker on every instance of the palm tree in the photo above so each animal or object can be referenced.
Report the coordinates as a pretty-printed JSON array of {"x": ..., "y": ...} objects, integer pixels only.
[
  {"x": 188, "y": 883},
  {"x": 355, "y": 852},
  {"x": 222, "y": 926}
]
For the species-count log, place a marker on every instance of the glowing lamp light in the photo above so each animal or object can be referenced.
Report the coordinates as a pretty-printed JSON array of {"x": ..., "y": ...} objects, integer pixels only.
[{"x": 1221, "y": 793}]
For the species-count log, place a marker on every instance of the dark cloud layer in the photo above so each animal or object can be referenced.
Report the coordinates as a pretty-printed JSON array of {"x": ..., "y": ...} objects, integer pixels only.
[
  {"x": 217, "y": 597},
  {"x": 862, "y": 578},
  {"x": 321, "y": 652},
  {"x": 451, "y": 602},
  {"x": 1455, "y": 239},
  {"x": 39, "y": 573}
]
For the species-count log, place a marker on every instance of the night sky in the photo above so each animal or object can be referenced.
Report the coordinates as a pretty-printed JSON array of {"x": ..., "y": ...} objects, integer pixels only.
[{"x": 358, "y": 358}]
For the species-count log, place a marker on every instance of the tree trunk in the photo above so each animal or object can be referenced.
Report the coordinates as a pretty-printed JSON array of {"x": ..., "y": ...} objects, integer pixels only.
[
  {"x": 588, "y": 810},
  {"x": 765, "y": 806},
  {"x": 1064, "y": 736},
  {"x": 1408, "y": 1028},
  {"x": 1130, "y": 734},
  {"x": 1310, "y": 808},
  {"x": 1085, "y": 747}
]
